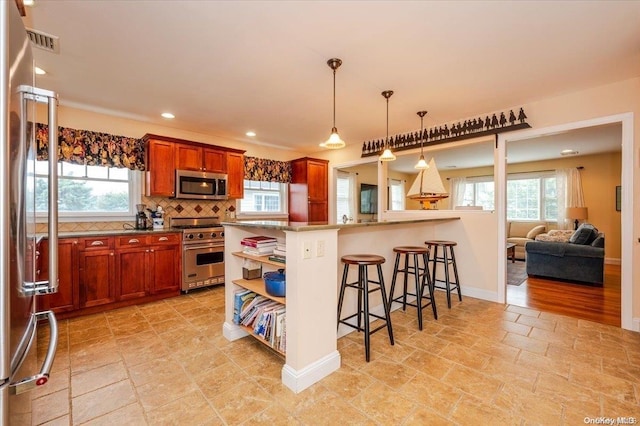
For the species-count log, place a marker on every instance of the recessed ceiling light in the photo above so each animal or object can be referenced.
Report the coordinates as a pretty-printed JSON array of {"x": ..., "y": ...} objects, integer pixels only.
[
  {"x": 39, "y": 71},
  {"x": 250, "y": 134},
  {"x": 29, "y": 3},
  {"x": 168, "y": 115},
  {"x": 568, "y": 152}
]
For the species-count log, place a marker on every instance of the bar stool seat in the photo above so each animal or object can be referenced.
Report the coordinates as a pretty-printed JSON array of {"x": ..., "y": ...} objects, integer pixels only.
[
  {"x": 363, "y": 261},
  {"x": 421, "y": 277},
  {"x": 447, "y": 259}
]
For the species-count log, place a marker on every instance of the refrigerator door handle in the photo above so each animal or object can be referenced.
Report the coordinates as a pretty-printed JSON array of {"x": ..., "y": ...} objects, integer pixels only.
[
  {"x": 51, "y": 99},
  {"x": 42, "y": 377}
]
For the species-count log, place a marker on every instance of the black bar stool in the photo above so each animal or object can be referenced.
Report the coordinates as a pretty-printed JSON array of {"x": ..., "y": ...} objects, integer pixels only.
[
  {"x": 447, "y": 258},
  {"x": 422, "y": 279},
  {"x": 362, "y": 285}
]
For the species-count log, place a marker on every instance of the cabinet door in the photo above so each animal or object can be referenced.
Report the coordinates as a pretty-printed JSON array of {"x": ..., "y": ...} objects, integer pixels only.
[
  {"x": 161, "y": 175},
  {"x": 213, "y": 160},
  {"x": 132, "y": 273},
  {"x": 318, "y": 212},
  {"x": 317, "y": 180},
  {"x": 164, "y": 268},
  {"x": 235, "y": 175},
  {"x": 188, "y": 157},
  {"x": 66, "y": 299},
  {"x": 96, "y": 273}
]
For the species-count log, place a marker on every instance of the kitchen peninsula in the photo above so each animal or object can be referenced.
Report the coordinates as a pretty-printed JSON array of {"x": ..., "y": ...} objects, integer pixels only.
[{"x": 313, "y": 274}]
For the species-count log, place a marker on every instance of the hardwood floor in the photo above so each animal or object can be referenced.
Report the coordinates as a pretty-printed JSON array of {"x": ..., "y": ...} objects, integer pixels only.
[{"x": 598, "y": 304}]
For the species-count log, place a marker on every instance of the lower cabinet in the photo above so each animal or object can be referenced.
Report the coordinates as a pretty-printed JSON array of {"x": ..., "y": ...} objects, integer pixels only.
[
  {"x": 108, "y": 272},
  {"x": 67, "y": 297},
  {"x": 96, "y": 273}
]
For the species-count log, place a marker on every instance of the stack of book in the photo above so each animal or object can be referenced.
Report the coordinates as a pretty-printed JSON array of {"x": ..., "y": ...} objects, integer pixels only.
[
  {"x": 258, "y": 245},
  {"x": 265, "y": 317},
  {"x": 279, "y": 252}
]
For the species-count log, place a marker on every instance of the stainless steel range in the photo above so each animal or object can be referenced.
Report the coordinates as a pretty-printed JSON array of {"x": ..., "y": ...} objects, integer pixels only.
[{"x": 202, "y": 251}]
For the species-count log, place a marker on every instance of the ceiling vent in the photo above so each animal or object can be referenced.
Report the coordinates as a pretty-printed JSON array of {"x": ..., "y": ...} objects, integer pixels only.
[{"x": 44, "y": 41}]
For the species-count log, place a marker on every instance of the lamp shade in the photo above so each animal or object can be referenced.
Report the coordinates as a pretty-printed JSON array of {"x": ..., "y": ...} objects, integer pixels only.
[{"x": 579, "y": 213}]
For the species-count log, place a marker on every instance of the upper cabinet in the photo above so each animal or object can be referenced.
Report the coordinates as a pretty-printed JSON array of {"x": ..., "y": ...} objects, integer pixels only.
[
  {"x": 201, "y": 159},
  {"x": 160, "y": 175},
  {"x": 308, "y": 192},
  {"x": 165, "y": 155}
]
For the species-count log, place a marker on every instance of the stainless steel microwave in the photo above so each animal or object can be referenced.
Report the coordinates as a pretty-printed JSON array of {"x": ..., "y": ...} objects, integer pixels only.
[{"x": 201, "y": 185}]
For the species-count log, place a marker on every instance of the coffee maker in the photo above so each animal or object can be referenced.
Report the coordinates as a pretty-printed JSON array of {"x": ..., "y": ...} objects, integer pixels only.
[{"x": 141, "y": 217}]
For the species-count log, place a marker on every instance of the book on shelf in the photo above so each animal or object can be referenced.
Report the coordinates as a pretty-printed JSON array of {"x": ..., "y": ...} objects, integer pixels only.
[
  {"x": 279, "y": 252},
  {"x": 258, "y": 240},
  {"x": 257, "y": 245},
  {"x": 257, "y": 251},
  {"x": 280, "y": 259},
  {"x": 241, "y": 298}
]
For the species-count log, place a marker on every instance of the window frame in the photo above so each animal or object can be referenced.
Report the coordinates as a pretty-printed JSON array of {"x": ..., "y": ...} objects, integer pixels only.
[
  {"x": 351, "y": 199},
  {"x": 135, "y": 196},
  {"x": 284, "y": 205},
  {"x": 391, "y": 183}
]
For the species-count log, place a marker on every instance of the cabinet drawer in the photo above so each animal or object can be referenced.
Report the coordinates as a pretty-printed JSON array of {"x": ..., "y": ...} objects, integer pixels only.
[
  {"x": 132, "y": 241},
  {"x": 165, "y": 238},
  {"x": 98, "y": 243}
]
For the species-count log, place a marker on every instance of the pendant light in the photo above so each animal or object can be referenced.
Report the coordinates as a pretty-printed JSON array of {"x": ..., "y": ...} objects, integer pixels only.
[
  {"x": 334, "y": 141},
  {"x": 422, "y": 165},
  {"x": 387, "y": 155}
]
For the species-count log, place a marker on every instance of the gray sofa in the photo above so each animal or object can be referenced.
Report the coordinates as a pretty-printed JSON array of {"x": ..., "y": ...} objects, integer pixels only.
[{"x": 580, "y": 259}]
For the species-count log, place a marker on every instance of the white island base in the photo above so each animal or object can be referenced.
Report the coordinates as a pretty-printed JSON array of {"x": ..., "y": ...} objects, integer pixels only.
[{"x": 313, "y": 274}]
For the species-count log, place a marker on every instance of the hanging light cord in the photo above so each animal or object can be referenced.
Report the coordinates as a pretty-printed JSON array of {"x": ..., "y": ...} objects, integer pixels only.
[
  {"x": 334, "y": 98},
  {"x": 386, "y": 142}
]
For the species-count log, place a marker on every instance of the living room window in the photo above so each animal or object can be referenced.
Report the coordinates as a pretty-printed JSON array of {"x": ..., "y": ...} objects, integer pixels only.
[
  {"x": 345, "y": 195},
  {"x": 530, "y": 196},
  {"x": 396, "y": 194}
]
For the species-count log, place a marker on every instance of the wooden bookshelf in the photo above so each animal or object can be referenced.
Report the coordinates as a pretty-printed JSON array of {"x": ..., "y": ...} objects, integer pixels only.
[
  {"x": 261, "y": 340},
  {"x": 257, "y": 286},
  {"x": 262, "y": 259}
]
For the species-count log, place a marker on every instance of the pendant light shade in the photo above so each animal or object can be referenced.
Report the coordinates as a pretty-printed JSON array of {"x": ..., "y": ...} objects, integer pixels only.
[
  {"x": 387, "y": 155},
  {"x": 334, "y": 141},
  {"x": 422, "y": 164}
]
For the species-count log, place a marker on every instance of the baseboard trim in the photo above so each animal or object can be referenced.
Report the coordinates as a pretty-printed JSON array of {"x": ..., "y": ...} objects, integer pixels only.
[
  {"x": 612, "y": 261},
  {"x": 299, "y": 380},
  {"x": 233, "y": 332}
]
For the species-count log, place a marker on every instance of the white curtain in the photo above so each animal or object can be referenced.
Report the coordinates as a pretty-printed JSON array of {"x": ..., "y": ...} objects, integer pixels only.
[
  {"x": 569, "y": 190},
  {"x": 457, "y": 187}
]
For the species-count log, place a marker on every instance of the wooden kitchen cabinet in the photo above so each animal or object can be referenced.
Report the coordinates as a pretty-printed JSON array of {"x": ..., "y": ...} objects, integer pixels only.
[
  {"x": 308, "y": 191},
  {"x": 66, "y": 299},
  {"x": 131, "y": 267},
  {"x": 200, "y": 159},
  {"x": 160, "y": 165},
  {"x": 235, "y": 175},
  {"x": 96, "y": 271},
  {"x": 164, "y": 268}
]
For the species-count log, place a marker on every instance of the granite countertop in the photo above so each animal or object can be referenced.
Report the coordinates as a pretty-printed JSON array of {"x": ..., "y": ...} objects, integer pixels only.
[{"x": 284, "y": 225}]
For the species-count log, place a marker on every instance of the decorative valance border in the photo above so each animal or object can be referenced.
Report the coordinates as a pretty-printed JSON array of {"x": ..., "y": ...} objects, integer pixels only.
[
  {"x": 92, "y": 148},
  {"x": 265, "y": 170}
]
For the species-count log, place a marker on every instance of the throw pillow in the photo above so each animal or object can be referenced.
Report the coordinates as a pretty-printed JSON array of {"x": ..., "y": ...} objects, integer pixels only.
[
  {"x": 585, "y": 234},
  {"x": 536, "y": 231},
  {"x": 599, "y": 241}
]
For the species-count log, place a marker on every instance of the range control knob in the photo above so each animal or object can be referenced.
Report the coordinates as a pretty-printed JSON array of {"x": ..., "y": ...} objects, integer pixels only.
[
  {"x": 190, "y": 236},
  {"x": 213, "y": 235},
  {"x": 222, "y": 234},
  {"x": 200, "y": 236}
]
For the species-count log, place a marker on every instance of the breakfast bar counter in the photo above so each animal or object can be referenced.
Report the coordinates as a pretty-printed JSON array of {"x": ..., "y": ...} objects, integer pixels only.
[{"x": 313, "y": 274}]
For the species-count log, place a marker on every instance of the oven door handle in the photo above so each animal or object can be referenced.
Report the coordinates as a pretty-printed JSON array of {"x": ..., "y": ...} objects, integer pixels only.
[{"x": 217, "y": 246}]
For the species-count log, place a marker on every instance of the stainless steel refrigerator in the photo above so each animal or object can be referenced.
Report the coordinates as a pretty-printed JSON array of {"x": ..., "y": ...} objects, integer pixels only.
[{"x": 19, "y": 286}]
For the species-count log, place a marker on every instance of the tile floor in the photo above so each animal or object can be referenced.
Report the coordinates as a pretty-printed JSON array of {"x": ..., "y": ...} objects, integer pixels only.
[{"x": 480, "y": 363}]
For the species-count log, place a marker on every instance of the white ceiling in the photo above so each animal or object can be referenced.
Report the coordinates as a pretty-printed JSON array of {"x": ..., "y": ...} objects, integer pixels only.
[{"x": 225, "y": 67}]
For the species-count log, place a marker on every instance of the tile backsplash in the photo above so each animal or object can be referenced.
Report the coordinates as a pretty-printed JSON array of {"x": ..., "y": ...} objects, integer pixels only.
[{"x": 172, "y": 208}]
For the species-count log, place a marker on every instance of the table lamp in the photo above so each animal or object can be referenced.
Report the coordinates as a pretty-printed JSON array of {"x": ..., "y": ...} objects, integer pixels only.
[{"x": 576, "y": 213}]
